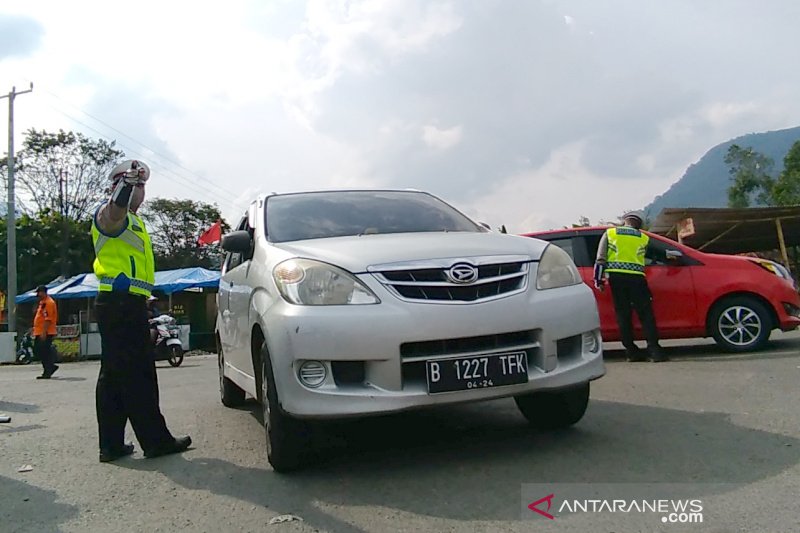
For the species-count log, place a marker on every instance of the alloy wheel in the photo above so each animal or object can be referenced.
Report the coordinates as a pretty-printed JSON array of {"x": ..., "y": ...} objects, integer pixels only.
[{"x": 740, "y": 325}]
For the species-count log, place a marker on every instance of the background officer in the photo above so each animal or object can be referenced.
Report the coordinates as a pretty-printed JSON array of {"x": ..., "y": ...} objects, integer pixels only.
[
  {"x": 127, "y": 388},
  {"x": 621, "y": 256},
  {"x": 44, "y": 331}
]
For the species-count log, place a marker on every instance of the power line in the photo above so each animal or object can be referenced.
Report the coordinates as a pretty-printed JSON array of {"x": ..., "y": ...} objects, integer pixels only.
[
  {"x": 166, "y": 158},
  {"x": 230, "y": 201},
  {"x": 219, "y": 195}
]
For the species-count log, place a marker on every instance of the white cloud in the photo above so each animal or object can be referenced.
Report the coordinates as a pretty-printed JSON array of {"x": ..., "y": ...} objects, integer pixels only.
[
  {"x": 441, "y": 139},
  {"x": 510, "y": 108},
  {"x": 556, "y": 194}
]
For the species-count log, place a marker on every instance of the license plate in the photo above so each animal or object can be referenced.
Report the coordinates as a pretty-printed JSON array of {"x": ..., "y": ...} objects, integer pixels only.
[{"x": 477, "y": 372}]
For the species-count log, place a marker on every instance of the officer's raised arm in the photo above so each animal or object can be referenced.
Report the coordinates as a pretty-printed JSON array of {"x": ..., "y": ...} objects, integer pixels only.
[{"x": 127, "y": 192}]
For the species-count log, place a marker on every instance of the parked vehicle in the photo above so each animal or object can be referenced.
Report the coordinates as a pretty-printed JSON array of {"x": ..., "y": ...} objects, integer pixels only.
[
  {"x": 736, "y": 300},
  {"x": 167, "y": 343},
  {"x": 353, "y": 303},
  {"x": 25, "y": 349}
]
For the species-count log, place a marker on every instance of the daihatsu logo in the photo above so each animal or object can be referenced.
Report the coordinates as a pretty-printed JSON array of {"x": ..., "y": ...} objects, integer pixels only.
[{"x": 462, "y": 273}]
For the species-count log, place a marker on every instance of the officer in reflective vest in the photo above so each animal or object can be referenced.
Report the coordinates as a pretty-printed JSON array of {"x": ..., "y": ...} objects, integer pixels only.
[
  {"x": 127, "y": 388},
  {"x": 621, "y": 256}
]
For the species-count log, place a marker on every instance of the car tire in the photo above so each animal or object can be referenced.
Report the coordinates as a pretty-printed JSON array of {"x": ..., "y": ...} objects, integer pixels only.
[
  {"x": 740, "y": 324},
  {"x": 287, "y": 438},
  {"x": 229, "y": 392},
  {"x": 554, "y": 409}
]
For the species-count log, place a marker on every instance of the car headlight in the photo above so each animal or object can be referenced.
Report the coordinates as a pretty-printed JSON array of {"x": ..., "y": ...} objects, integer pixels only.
[
  {"x": 556, "y": 269},
  {"x": 307, "y": 282},
  {"x": 776, "y": 268}
]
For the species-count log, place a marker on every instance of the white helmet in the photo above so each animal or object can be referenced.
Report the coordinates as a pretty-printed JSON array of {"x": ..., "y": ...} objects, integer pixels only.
[
  {"x": 130, "y": 164},
  {"x": 636, "y": 213}
]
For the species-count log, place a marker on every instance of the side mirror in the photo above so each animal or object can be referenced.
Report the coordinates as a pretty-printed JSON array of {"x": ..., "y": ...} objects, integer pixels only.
[
  {"x": 674, "y": 255},
  {"x": 237, "y": 242}
]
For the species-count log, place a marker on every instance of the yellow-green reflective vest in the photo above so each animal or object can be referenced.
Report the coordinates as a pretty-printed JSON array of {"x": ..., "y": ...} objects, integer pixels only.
[
  {"x": 124, "y": 262},
  {"x": 626, "y": 250}
]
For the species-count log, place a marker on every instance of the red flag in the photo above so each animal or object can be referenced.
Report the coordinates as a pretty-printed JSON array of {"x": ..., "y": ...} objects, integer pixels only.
[{"x": 212, "y": 234}]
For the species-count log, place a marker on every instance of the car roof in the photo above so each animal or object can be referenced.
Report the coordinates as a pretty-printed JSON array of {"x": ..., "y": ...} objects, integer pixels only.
[{"x": 566, "y": 231}]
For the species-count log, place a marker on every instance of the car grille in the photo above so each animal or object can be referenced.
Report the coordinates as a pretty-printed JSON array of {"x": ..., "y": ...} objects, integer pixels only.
[
  {"x": 467, "y": 345},
  {"x": 495, "y": 278}
]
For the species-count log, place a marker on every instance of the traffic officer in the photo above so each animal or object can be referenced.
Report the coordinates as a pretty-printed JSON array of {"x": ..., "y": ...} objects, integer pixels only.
[
  {"x": 621, "y": 256},
  {"x": 127, "y": 388},
  {"x": 44, "y": 331}
]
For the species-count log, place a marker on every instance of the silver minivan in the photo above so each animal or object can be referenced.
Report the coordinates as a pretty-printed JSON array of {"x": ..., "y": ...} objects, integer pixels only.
[{"x": 359, "y": 302}]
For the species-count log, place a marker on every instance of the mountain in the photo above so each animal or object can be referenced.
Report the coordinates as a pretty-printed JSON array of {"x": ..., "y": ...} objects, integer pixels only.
[{"x": 705, "y": 183}]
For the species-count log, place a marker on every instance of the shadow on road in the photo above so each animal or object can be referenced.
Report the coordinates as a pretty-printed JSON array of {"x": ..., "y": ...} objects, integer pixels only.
[
  {"x": 29, "y": 508},
  {"x": 20, "y": 429},
  {"x": 14, "y": 407},
  {"x": 469, "y": 462}
]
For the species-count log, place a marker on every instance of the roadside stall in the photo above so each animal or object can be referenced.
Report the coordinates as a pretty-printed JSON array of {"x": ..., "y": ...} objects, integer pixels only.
[{"x": 190, "y": 295}]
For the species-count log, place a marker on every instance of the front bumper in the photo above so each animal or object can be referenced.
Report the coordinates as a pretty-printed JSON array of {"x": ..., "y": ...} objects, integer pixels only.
[{"x": 384, "y": 340}]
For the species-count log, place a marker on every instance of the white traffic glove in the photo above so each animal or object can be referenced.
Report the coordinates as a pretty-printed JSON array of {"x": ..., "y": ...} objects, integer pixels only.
[{"x": 137, "y": 174}]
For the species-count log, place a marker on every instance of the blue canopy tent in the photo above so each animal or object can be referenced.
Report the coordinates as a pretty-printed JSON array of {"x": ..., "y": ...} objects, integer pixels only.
[{"x": 167, "y": 281}]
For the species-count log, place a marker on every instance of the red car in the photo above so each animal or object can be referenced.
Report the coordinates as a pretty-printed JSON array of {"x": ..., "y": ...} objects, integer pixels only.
[{"x": 737, "y": 300}]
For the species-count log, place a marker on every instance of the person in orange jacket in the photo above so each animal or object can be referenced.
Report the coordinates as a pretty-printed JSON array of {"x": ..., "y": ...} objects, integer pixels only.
[{"x": 44, "y": 331}]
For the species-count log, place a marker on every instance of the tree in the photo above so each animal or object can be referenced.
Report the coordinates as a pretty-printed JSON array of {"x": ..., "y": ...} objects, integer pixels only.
[
  {"x": 175, "y": 225},
  {"x": 753, "y": 181},
  {"x": 63, "y": 173},
  {"x": 786, "y": 190},
  {"x": 39, "y": 252},
  {"x": 751, "y": 175}
]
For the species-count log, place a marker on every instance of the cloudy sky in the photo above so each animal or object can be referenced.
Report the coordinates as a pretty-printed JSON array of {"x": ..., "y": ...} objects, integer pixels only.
[{"x": 525, "y": 113}]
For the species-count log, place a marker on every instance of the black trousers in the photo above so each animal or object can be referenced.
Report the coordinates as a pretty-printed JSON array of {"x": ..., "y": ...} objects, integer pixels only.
[
  {"x": 43, "y": 349},
  {"x": 127, "y": 387},
  {"x": 630, "y": 292}
]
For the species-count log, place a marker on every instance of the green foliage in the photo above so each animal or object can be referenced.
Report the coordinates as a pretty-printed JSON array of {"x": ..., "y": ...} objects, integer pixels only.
[
  {"x": 750, "y": 173},
  {"x": 174, "y": 227},
  {"x": 63, "y": 172},
  {"x": 786, "y": 190},
  {"x": 753, "y": 182},
  {"x": 39, "y": 252}
]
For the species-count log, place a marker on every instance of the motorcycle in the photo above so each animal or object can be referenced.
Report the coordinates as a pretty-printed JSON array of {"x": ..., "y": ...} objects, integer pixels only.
[
  {"x": 25, "y": 349},
  {"x": 167, "y": 342}
]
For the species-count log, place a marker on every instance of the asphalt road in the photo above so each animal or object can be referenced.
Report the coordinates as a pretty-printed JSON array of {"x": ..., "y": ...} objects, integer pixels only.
[{"x": 726, "y": 428}]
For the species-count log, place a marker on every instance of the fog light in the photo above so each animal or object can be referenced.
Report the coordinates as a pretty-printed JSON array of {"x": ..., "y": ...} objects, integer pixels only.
[
  {"x": 791, "y": 310},
  {"x": 591, "y": 341},
  {"x": 312, "y": 373}
]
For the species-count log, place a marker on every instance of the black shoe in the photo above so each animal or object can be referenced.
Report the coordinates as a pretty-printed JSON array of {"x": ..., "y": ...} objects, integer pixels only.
[
  {"x": 106, "y": 456},
  {"x": 47, "y": 375},
  {"x": 181, "y": 444},
  {"x": 635, "y": 355},
  {"x": 657, "y": 355}
]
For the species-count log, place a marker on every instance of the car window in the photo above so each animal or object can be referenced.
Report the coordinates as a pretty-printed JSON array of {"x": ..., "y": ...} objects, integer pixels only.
[
  {"x": 592, "y": 243},
  {"x": 577, "y": 245},
  {"x": 565, "y": 244},
  {"x": 234, "y": 259},
  {"x": 656, "y": 254},
  {"x": 294, "y": 217}
]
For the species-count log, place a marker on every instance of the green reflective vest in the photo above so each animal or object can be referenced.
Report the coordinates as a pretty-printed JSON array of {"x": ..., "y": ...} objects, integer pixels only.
[
  {"x": 124, "y": 262},
  {"x": 626, "y": 250}
]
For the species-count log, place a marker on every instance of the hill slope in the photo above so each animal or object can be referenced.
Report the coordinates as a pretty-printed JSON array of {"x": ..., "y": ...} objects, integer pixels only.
[{"x": 705, "y": 183}]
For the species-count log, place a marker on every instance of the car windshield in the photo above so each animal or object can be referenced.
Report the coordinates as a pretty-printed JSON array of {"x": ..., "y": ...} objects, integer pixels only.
[{"x": 317, "y": 215}]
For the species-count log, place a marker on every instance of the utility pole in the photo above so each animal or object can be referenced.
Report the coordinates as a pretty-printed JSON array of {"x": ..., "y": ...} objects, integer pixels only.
[{"x": 11, "y": 221}]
